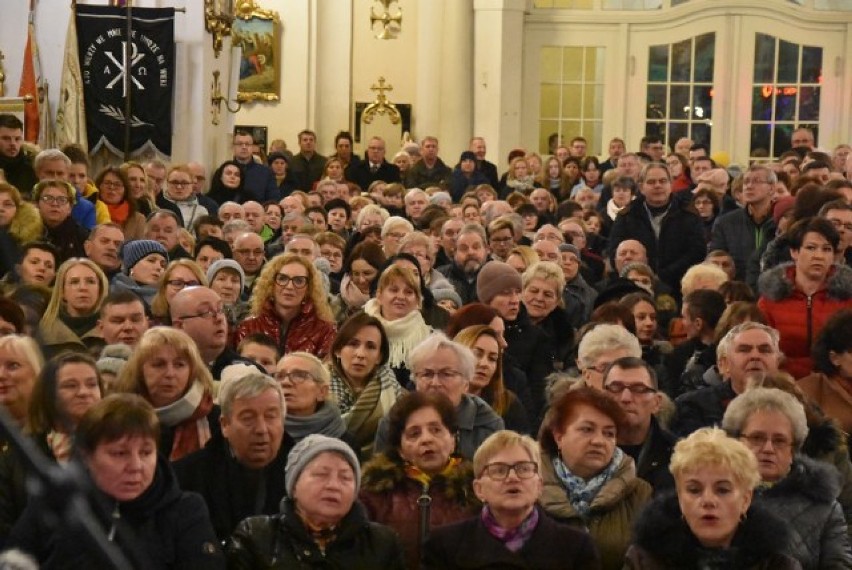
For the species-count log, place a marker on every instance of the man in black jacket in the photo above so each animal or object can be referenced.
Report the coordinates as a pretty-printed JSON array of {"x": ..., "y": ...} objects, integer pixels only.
[
  {"x": 242, "y": 475},
  {"x": 15, "y": 162},
  {"x": 673, "y": 236},
  {"x": 365, "y": 172},
  {"x": 470, "y": 255}
]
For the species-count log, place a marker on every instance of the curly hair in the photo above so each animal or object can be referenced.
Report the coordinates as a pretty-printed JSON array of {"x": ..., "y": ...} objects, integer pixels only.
[
  {"x": 711, "y": 447},
  {"x": 264, "y": 288}
]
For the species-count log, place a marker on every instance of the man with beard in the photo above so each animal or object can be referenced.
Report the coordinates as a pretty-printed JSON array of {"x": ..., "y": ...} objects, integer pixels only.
[{"x": 470, "y": 255}]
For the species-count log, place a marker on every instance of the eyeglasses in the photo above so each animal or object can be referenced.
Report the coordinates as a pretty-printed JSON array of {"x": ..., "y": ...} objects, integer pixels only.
[
  {"x": 299, "y": 281},
  {"x": 441, "y": 375},
  {"x": 112, "y": 184},
  {"x": 180, "y": 283},
  {"x": 758, "y": 440},
  {"x": 179, "y": 183},
  {"x": 58, "y": 200},
  {"x": 840, "y": 225},
  {"x": 208, "y": 314},
  {"x": 295, "y": 376},
  {"x": 635, "y": 389},
  {"x": 499, "y": 471}
]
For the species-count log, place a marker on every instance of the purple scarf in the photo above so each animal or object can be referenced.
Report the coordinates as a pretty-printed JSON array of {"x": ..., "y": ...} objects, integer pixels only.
[{"x": 515, "y": 538}]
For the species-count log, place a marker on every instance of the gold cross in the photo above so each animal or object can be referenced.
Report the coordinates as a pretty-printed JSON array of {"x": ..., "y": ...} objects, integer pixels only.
[
  {"x": 381, "y": 88},
  {"x": 391, "y": 23}
]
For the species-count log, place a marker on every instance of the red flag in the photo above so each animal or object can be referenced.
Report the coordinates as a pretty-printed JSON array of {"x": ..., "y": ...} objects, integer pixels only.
[{"x": 29, "y": 86}]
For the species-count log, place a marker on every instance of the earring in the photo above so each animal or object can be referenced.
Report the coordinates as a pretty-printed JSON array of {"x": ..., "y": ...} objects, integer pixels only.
[{"x": 744, "y": 516}]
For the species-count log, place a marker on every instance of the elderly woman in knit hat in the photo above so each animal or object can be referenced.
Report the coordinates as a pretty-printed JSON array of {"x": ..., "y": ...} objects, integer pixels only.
[
  {"x": 228, "y": 279},
  {"x": 143, "y": 263},
  {"x": 499, "y": 286},
  {"x": 320, "y": 523}
]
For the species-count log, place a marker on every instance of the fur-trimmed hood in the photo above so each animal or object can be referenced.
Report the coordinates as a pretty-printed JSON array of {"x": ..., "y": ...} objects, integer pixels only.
[
  {"x": 383, "y": 475},
  {"x": 26, "y": 226},
  {"x": 759, "y": 537},
  {"x": 779, "y": 282},
  {"x": 814, "y": 479}
]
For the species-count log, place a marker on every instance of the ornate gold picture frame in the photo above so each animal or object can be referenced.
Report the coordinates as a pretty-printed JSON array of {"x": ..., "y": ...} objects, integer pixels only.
[{"x": 258, "y": 32}]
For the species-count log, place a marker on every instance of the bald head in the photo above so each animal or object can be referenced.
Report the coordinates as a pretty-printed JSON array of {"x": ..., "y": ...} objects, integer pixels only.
[
  {"x": 190, "y": 301},
  {"x": 253, "y": 213},
  {"x": 628, "y": 251}
]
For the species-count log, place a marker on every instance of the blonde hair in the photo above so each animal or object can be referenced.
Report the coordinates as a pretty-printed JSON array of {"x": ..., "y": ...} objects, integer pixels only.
[
  {"x": 159, "y": 304},
  {"x": 495, "y": 391},
  {"x": 702, "y": 271},
  {"x": 265, "y": 285},
  {"x": 547, "y": 271},
  {"x": 500, "y": 440},
  {"x": 404, "y": 274},
  {"x": 132, "y": 380},
  {"x": 27, "y": 348},
  {"x": 526, "y": 253},
  {"x": 711, "y": 447},
  {"x": 51, "y": 313}
]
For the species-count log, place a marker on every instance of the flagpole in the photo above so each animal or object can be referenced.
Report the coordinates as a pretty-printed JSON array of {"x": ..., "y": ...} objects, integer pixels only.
[{"x": 127, "y": 79}]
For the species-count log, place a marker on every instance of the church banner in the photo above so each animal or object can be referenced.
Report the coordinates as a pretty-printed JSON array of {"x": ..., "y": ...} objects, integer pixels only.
[{"x": 105, "y": 66}]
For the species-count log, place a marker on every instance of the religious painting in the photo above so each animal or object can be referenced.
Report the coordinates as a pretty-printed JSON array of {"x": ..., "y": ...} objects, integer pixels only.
[{"x": 257, "y": 32}]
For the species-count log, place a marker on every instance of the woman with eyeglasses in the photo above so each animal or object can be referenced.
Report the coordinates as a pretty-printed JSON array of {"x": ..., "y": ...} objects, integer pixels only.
[
  {"x": 71, "y": 318},
  {"x": 55, "y": 199},
  {"x": 419, "y": 465},
  {"x": 797, "y": 489},
  {"x": 180, "y": 274},
  {"x": 289, "y": 305},
  {"x": 305, "y": 382},
  {"x": 510, "y": 530},
  {"x": 143, "y": 263},
  {"x": 114, "y": 191},
  {"x": 167, "y": 370},
  {"x": 588, "y": 481}
]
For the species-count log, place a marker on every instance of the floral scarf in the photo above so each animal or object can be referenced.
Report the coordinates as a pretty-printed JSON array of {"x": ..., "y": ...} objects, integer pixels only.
[
  {"x": 512, "y": 538},
  {"x": 581, "y": 493}
]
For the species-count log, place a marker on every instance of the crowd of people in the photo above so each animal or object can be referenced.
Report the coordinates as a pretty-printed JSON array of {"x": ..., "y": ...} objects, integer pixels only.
[{"x": 640, "y": 361}]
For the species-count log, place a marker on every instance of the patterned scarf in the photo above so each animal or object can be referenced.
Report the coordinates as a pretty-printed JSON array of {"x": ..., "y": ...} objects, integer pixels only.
[
  {"x": 582, "y": 493},
  {"x": 512, "y": 538},
  {"x": 414, "y": 472},
  {"x": 188, "y": 416}
]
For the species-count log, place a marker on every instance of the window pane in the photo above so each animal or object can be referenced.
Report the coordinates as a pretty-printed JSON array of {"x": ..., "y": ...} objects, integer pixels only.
[
  {"x": 764, "y": 59},
  {"x": 657, "y": 102},
  {"x": 658, "y": 63},
  {"x": 571, "y": 100},
  {"x": 702, "y": 102},
  {"x": 593, "y": 131},
  {"x": 701, "y": 133},
  {"x": 572, "y": 64},
  {"x": 549, "y": 104},
  {"x": 677, "y": 131},
  {"x": 811, "y": 65},
  {"x": 592, "y": 101},
  {"x": 656, "y": 129},
  {"x": 760, "y": 137},
  {"x": 809, "y": 104},
  {"x": 781, "y": 138},
  {"x": 705, "y": 55},
  {"x": 761, "y": 103},
  {"x": 594, "y": 64},
  {"x": 570, "y": 129},
  {"x": 546, "y": 128},
  {"x": 551, "y": 63},
  {"x": 682, "y": 61},
  {"x": 788, "y": 62},
  {"x": 785, "y": 103},
  {"x": 680, "y": 105}
]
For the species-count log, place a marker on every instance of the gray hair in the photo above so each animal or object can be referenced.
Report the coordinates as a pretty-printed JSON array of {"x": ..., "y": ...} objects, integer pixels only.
[
  {"x": 758, "y": 399},
  {"x": 318, "y": 371},
  {"x": 231, "y": 226},
  {"x": 471, "y": 229},
  {"x": 547, "y": 271},
  {"x": 771, "y": 177},
  {"x": 603, "y": 338},
  {"x": 424, "y": 351},
  {"x": 232, "y": 203},
  {"x": 249, "y": 386},
  {"x": 371, "y": 209},
  {"x": 414, "y": 192},
  {"x": 49, "y": 155},
  {"x": 396, "y": 221},
  {"x": 642, "y": 268},
  {"x": 727, "y": 340},
  {"x": 418, "y": 238}
]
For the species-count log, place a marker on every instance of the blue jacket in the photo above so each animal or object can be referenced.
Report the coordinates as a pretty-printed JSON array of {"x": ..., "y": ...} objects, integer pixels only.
[{"x": 83, "y": 212}]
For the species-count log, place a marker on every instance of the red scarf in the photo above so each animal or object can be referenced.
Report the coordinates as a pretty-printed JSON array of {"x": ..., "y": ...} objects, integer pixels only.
[
  {"x": 119, "y": 213},
  {"x": 194, "y": 432}
]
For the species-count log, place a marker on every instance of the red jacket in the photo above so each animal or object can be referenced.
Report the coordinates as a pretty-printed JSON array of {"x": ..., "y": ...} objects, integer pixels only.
[
  {"x": 307, "y": 332},
  {"x": 797, "y": 317}
]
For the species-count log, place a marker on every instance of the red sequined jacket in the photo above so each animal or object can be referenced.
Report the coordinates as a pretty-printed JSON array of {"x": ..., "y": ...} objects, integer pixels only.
[{"x": 307, "y": 332}]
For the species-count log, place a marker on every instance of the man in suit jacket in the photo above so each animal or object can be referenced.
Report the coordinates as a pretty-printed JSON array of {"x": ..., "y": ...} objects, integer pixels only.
[{"x": 374, "y": 168}]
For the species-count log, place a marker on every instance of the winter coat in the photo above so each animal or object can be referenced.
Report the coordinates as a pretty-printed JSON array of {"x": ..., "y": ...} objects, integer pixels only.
[
  {"x": 652, "y": 465},
  {"x": 663, "y": 541},
  {"x": 737, "y": 233},
  {"x": 612, "y": 513},
  {"x": 459, "y": 183},
  {"x": 807, "y": 500},
  {"x": 281, "y": 542},
  {"x": 561, "y": 334},
  {"x": 532, "y": 351},
  {"x": 830, "y": 395},
  {"x": 826, "y": 442},
  {"x": 19, "y": 172},
  {"x": 230, "y": 489},
  {"x": 579, "y": 298},
  {"x": 13, "y": 483},
  {"x": 361, "y": 175},
  {"x": 57, "y": 337},
  {"x": 464, "y": 284},
  {"x": 680, "y": 245},
  {"x": 799, "y": 317},
  {"x": 468, "y": 544},
  {"x": 701, "y": 408},
  {"x": 164, "y": 528},
  {"x": 390, "y": 498},
  {"x": 67, "y": 238},
  {"x": 145, "y": 292},
  {"x": 421, "y": 176},
  {"x": 306, "y": 332},
  {"x": 26, "y": 225}
]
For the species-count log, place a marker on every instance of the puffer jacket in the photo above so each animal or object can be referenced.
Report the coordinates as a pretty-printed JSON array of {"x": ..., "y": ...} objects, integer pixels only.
[
  {"x": 612, "y": 512},
  {"x": 799, "y": 317},
  {"x": 26, "y": 225},
  {"x": 306, "y": 332},
  {"x": 807, "y": 499},
  {"x": 390, "y": 498},
  {"x": 282, "y": 542},
  {"x": 663, "y": 541}
]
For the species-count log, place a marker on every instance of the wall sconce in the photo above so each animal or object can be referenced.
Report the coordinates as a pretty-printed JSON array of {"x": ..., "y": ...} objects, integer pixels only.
[
  {"x": 218, "y": 17},
  {"x": 391, "y": 23},
  {"x": 217, "y": 99}
]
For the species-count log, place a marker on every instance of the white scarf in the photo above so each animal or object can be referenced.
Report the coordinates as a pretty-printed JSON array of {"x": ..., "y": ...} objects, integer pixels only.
[
  {"x": 183, "y": 408},
  {"x": 403, "y": 334}
]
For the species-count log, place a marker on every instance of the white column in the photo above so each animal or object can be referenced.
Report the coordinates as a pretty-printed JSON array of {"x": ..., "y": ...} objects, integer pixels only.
[
  {"x": 456, "y": 118},
  {"x": 333, "y": 71},
  {"x": 426, "y": 119},
  {"x": 498, "y": 74}
]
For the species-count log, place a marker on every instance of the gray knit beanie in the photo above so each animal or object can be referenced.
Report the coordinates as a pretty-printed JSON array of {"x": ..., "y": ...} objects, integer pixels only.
[
  {"x": 494, "y": 278},
  {"x": 135, "y": 251},
  {"x": 308, "y": 449},
  {"x": 221, "y": 264},
  {"x": 113, "y": 358}
]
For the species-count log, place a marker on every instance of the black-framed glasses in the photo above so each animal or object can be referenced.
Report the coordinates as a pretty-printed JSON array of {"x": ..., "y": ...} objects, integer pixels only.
[
  {"x": 441, "y": 375},
  {"x": 758, "y": 440},
  {"x": 208, "y": 314},
  {"x": 635, "y": 389},
  {"x": 294, "y": 376},
  {"x": 58, "y": 200},
  {"x": 499, "y": 471},
  {"x": 179, "y": 183},
  {"x": 298, "y": 281}
]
